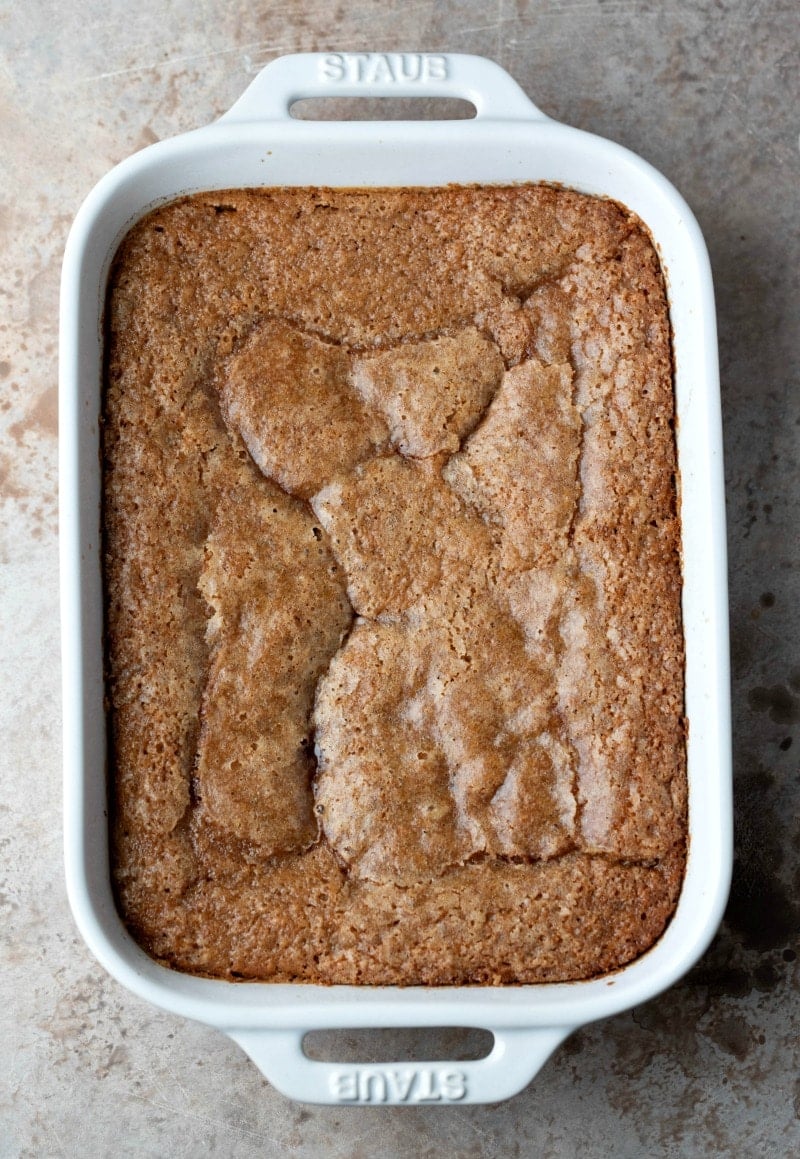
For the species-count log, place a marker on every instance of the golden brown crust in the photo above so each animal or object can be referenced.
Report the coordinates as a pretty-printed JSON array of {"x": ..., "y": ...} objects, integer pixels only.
[{"x": 450, "y": 413}]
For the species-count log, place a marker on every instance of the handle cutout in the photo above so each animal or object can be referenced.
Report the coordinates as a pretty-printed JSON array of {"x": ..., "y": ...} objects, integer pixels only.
[
  {"x": 399, "y": 1045},
  {"x": 382, "y": 109}
]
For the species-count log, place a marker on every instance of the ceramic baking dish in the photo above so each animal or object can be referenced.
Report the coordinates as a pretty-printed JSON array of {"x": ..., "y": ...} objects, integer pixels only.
[{"x": 258, "y": 143}]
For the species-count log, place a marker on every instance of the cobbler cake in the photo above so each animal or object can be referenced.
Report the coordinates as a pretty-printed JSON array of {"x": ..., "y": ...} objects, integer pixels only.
[{"x": 392, "y": 571}]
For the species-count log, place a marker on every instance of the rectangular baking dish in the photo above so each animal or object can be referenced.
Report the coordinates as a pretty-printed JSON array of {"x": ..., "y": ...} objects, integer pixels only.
[{"x": 258, "y": 143}]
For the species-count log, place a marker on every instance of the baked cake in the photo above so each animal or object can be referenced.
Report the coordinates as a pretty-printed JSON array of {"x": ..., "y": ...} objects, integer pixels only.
[{"x": 392, "y": 571}]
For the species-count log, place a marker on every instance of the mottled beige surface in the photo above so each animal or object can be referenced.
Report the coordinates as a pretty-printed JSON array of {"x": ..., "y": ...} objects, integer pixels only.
[{"x": 709, "y": 93}]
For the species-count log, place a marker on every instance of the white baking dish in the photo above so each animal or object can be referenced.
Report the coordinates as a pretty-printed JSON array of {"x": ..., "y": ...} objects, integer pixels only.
[{"x": 257, "y": 143}]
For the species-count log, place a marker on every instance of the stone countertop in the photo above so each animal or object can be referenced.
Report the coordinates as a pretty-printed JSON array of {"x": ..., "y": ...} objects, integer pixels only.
[{"x": 709, "y": 93}]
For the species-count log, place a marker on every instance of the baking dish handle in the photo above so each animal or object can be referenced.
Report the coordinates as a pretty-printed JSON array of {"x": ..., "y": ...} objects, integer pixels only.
[
  {"x": 495, "y": 95},
  {"x": 517, "y": 1055}
]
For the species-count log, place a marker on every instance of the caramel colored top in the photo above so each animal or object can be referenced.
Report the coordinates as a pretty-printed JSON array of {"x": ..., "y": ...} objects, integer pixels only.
[{"x": 395, "y": 658}]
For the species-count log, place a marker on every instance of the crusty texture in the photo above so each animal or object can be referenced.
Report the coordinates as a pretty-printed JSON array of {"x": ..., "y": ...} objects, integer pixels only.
[
  {"x": 395, "y": 659},
  {"x": 431, "y": 393},
  {"x": 287, "y": 394},
  {"x": 519, "y": 470},
  {"x": 254, "y": 759}
]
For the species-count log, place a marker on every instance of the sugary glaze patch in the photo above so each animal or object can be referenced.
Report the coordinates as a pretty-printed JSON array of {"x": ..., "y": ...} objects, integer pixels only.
[
  {"x": 400, "y": 535},
  {"x": 278, "y": 615},
  {"x": 431, "y": 393},
  {"x": 393, "y": 586},
  {"x": 519, "y": 469},
  {"x": 287, "y": 394},
  {"x": 433, "y": 749}
]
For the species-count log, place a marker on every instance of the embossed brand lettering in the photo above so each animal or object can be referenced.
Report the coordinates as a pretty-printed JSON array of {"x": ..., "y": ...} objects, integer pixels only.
[
  {"x": 437, "y": 67},
  {"x": 402, "y": 1084},
  {"x": 332, "y": 67},
  {"x": 407, "y": 1086},
  {"x": 454, "y": 1084},
  {"x": 372, "y": 1087},
  {"x": 382, "y": 67},
  {"x": 427, "y": 1091},
  {"x": 345, "y": 1087}
]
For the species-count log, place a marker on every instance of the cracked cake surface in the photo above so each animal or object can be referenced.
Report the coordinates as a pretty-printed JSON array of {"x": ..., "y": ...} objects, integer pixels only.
[{"x": 392, "y": 573}]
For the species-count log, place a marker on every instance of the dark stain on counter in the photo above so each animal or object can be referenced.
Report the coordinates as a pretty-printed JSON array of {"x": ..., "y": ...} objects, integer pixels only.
[
  {"x": 732, "y": 1035},
  {"x": 760, "y": 910},
  {"x": 778, "y": 700}
]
